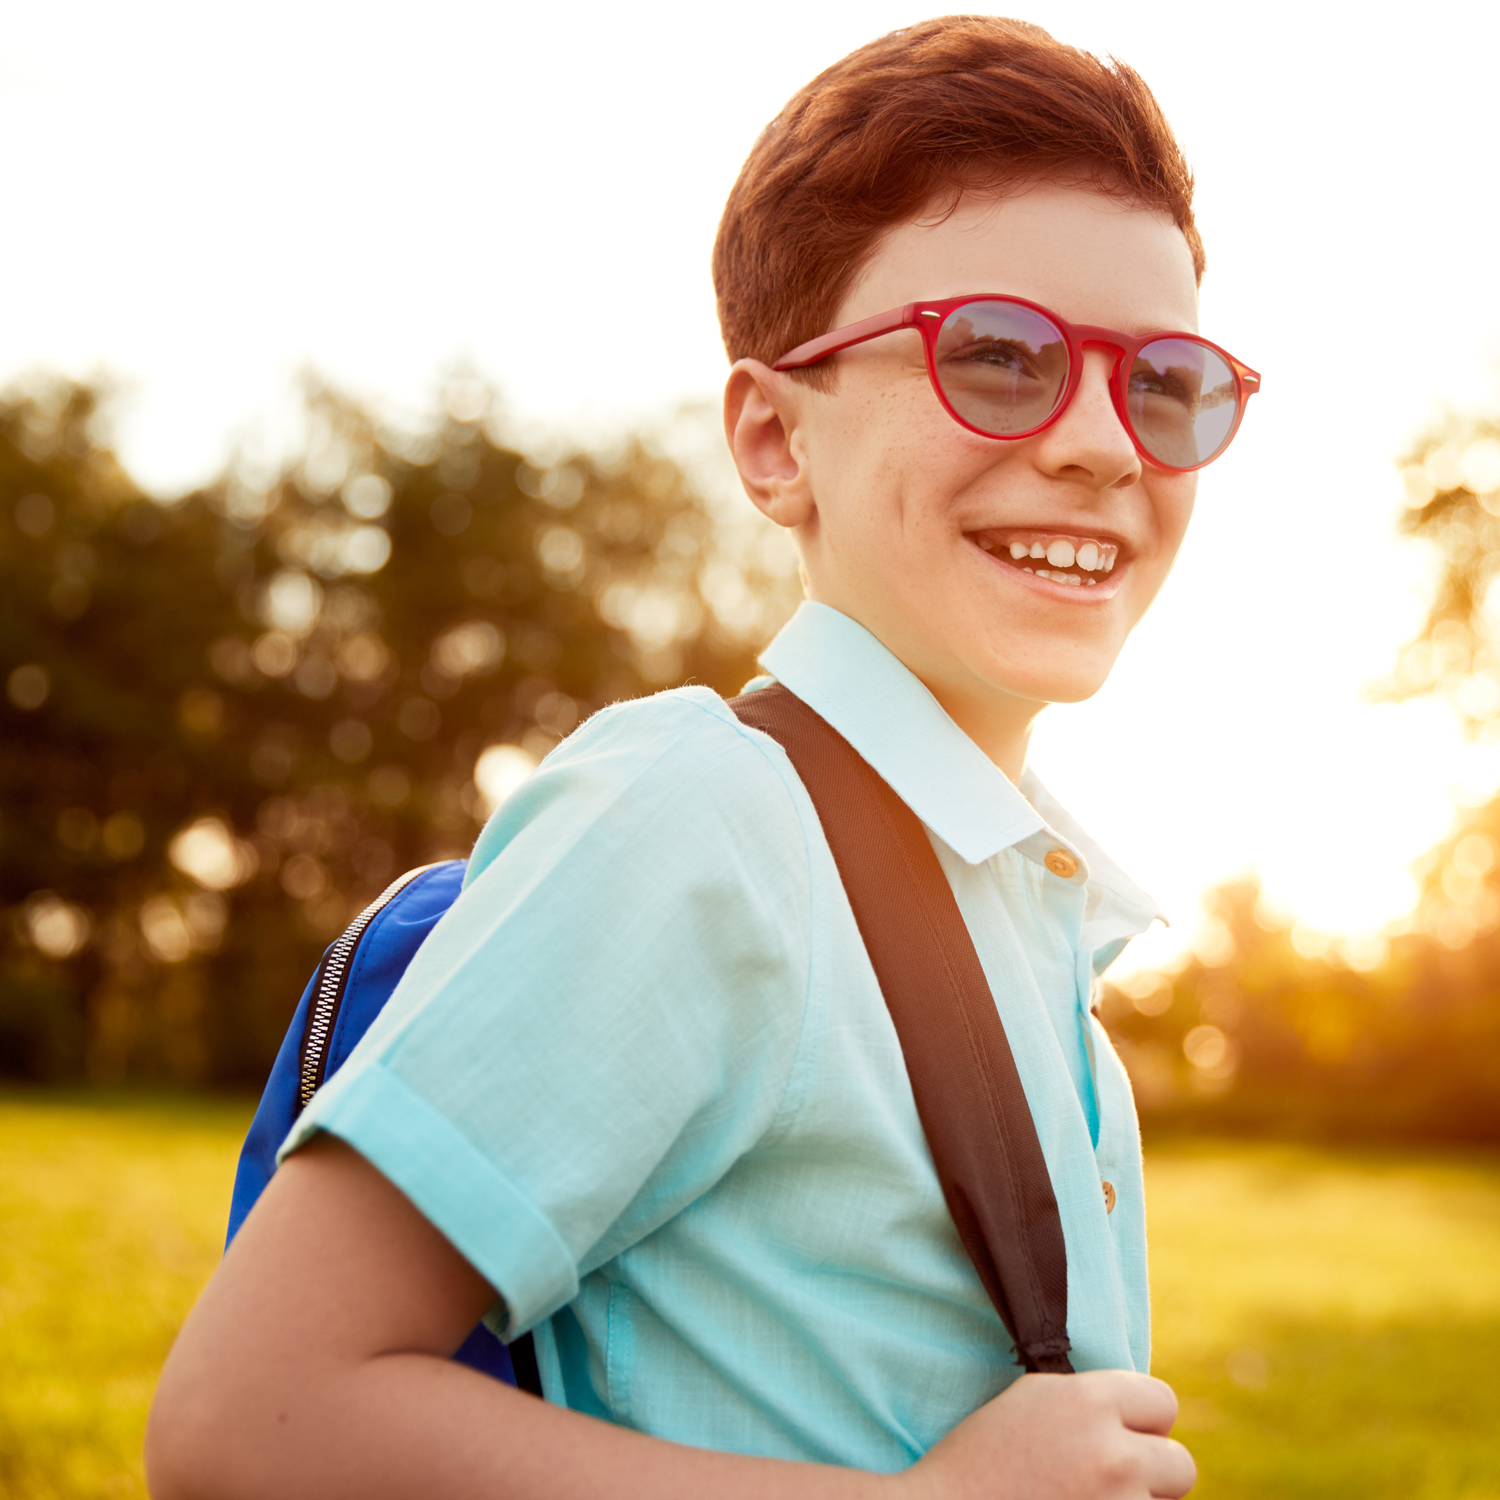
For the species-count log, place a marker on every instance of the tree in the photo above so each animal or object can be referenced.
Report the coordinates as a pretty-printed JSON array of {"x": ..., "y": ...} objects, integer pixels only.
[
  {"x": 1269, "y": 1032},
  {"x": 231, "y": 719},
  {"x": 1452, "y": 479},
  {"x": 1395, "y": 1038}
]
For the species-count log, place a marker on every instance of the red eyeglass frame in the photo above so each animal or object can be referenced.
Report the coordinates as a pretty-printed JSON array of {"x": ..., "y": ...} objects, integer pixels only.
[{"x": 928, "y": 318}]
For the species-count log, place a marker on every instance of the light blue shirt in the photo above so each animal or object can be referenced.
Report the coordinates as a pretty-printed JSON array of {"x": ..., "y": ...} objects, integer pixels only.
[{"x": 642, "y": 1077}]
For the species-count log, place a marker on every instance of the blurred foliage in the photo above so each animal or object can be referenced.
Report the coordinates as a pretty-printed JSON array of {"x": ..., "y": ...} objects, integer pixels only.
[
  {"x": 230, "y": 720},
  {"x": 1452, "y": 481},
  {"x": 1270, "y": 1026}
]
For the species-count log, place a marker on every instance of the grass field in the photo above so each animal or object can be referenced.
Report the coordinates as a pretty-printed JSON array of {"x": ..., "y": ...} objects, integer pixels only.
[
  {"x": 1331, "y": 1320},
  {"x": 111, "y": 1218}
]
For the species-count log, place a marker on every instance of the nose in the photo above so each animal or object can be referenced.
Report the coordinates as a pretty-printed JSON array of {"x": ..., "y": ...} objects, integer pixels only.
[{"x": 1088, "y": 442}]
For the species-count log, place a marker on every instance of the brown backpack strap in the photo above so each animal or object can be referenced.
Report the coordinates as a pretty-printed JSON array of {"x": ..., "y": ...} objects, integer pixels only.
[{"x": 968, "y": 1092}]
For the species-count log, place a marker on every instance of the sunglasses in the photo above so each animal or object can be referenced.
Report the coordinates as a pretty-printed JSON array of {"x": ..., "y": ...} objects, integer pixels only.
[{"x": 1007, "y": 368}]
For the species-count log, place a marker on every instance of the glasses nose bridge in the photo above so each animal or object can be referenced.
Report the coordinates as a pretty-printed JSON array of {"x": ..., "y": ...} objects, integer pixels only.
[
  {"x": 1087, "y": 338},
  {"x": 1101, "y": 338}
]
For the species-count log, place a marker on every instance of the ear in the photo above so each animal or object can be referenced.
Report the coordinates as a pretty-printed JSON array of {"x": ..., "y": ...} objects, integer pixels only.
[{"x": 761, "y": 425}]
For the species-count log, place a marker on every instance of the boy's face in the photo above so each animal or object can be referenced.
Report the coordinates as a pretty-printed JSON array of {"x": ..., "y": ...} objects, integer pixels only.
[{"x": 891, "y": 499}]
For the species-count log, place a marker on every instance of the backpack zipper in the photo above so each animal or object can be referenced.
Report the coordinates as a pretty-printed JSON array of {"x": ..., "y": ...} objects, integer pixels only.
[{"x": 332, "y": 975}]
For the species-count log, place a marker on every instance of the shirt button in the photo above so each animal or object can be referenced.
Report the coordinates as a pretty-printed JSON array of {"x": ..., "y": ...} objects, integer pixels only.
[
  {"x": 1060, "y": 862},
  {"x": 1109, "y": 1197}
]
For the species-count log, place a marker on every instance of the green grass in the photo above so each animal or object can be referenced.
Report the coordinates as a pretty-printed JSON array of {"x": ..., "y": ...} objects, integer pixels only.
[
  {"x": 111, "y": 1218},
  {"x": 1331, "y": 1319}
]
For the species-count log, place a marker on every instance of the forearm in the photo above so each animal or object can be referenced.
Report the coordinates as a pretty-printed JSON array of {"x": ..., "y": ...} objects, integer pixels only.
[{"x": 413, "y": 1425}]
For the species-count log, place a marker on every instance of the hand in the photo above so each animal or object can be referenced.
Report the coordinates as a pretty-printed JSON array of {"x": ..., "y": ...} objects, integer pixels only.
[{"x": 1101, "y": 1435}]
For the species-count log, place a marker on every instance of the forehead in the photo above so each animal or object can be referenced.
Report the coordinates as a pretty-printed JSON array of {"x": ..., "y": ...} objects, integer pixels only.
[{"x": 1080, "y": 252}]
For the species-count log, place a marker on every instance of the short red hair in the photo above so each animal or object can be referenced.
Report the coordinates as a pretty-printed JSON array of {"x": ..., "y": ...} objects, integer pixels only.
[{"x": 959, "y": 102}]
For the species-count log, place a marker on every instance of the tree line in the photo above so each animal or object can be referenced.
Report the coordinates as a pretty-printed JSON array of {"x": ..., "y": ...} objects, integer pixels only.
[
  {"x": 1395, "y": 1037},
  {"x": 230, "y": 720}
]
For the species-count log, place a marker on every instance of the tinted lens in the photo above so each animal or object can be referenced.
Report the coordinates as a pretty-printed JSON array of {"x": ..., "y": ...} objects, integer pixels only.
[
  {"x": 1002, "y": 367},
  {"x": 1182, "y": 400}
]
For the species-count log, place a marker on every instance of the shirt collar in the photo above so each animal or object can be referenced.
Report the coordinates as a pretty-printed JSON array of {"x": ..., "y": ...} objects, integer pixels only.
[
  {"x": 1114, "y": 896},
  {"x": 838, "y": 668}
]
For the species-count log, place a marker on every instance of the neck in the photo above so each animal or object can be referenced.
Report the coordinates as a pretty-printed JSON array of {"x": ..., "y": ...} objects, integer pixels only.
[
  {"x": 1001, "y": 727},
  {"x": 998, "y": 722}
]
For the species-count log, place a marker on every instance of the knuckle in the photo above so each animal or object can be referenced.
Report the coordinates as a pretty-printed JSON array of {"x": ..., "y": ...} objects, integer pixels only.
[
  {"x": 1092, "y": 1393},
  {"x": 1116, "y": 1467}
]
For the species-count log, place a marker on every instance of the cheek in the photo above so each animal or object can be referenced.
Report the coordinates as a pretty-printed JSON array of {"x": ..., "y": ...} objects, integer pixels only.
[
  {"x": 877, "y": 456},
  {"x": 1171, "y": 497},
  {"x": 1172, "y": 501},
  {"x": 889, "y": 405}
]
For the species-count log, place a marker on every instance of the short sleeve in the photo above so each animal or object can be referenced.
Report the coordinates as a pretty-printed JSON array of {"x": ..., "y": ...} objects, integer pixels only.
[{"x": 607, "y": 1018}]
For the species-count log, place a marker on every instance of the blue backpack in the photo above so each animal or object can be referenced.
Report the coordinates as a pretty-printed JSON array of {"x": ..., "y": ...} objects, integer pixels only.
[
  {"x": 963, "y": 1075},
  {"x": 345, "y": 994}
]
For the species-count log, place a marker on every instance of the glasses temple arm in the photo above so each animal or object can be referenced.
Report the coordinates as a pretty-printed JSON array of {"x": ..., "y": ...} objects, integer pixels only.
[{"x": 843, "y": 338}]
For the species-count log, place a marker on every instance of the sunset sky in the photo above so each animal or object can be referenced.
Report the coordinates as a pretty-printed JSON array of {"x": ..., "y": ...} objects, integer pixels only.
[{"x": 205, "y": 199}]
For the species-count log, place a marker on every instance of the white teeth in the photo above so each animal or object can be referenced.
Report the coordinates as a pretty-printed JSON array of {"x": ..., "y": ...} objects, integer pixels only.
[{"x": 1061, "y": 552}]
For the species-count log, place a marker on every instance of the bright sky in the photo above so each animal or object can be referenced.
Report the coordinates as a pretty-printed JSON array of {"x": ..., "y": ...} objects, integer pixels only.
[{"x": 204, "y": 199}]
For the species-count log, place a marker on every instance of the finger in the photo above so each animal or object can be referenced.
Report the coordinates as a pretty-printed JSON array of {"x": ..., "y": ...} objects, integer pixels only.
[
  {"x": 1146, "y": 1403},
  {"x": 1172, "y": 1470}
]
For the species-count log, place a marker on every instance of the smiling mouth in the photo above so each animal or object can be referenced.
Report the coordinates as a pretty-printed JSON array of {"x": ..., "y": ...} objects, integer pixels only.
[{"x": 1074, "y": 561}]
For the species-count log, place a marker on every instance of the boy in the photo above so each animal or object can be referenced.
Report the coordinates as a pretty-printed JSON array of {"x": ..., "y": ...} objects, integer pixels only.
[{"x": 639, "y": 1090}]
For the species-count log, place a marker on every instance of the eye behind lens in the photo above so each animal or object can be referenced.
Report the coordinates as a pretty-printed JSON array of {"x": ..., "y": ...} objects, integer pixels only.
[
  {"x": 1002, "y": 367},
  {"x": 1182, "y": 398}
]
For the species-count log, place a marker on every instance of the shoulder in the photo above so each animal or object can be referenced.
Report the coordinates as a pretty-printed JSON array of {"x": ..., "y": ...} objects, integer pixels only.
[
  {"x": 677, "y": 766},
  {"x": 688, "y": 731}
]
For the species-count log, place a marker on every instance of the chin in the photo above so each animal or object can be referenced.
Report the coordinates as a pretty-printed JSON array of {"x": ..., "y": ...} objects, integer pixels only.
[
  {"x": 1044, "y": 665},
  {"x": 1072, "y": 692},
  {"x": 1062, "y": 686}
]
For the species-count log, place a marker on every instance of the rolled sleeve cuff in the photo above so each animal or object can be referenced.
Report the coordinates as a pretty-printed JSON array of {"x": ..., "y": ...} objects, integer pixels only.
[{"x": 477, "y": 1209}]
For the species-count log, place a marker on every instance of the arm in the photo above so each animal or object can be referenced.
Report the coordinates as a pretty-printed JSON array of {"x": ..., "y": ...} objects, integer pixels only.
[{"x": 316, "y": 1364}]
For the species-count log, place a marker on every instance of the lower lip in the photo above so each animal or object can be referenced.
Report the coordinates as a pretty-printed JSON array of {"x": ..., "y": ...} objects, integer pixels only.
[{"x": 1074, "y": 593}]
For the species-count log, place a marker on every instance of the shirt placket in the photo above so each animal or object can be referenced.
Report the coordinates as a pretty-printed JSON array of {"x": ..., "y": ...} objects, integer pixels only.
[{"x": 1064, "y": 886}]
